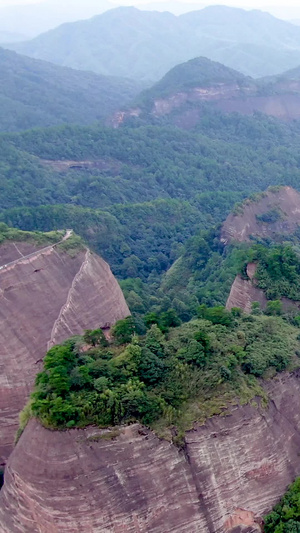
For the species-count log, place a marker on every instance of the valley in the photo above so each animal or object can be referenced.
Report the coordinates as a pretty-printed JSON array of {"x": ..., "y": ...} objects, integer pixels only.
[{"x": 150, "y": 274}]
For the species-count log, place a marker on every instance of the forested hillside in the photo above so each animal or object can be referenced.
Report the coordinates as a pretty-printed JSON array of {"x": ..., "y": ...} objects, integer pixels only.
[
  {"x": 206, "y": 172},
  {"x": 195, "y": 73},
  {"x": 36, "y": 93},
  {"x": 142, "y": 197},
  {"x": 146, "y": 44}
]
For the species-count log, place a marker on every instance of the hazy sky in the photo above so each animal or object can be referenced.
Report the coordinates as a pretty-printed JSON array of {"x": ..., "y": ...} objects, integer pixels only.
[
  {"x": 288, "y": 9},
  {"x": 241, "y": 3}
]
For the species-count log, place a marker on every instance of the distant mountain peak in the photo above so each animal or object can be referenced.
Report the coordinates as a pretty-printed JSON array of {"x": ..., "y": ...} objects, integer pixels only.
[{"x": 144, "y": 45}]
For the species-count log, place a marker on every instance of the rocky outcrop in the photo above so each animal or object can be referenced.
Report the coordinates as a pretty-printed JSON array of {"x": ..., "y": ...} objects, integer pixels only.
[
  {"x": 132, "y": 483},
  {"x": 280, "y": 100},
  {"x": 231, "y": 472},
  {"x": 45, "y": 298},
  {"x": 273, "y": 214},
  {"x": 243, "y": 292},
  {"x": 250, "y": 221}
]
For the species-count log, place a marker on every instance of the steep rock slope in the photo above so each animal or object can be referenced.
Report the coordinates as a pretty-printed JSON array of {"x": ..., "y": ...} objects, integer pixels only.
[
  {"x": 283, "y": 204},
  {"x": 46, "y": 297},
  {"x": 275, "y": 212},
  {"x": 232, "y": 471},
  {"x": 243, "y": 292}
]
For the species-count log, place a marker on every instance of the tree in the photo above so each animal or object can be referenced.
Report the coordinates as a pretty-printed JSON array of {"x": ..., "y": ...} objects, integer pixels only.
[
  {"x": 123, "y": 330},
  {"x": 274, "y": 307},
  {"x": 95, "y": 337}
]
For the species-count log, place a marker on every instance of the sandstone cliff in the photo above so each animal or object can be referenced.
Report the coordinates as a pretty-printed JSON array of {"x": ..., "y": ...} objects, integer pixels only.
[
  {"x": 282, "y": 102},
  {"x": 232, "y": 471},
  {"x": 240, "y": 227},
  {"x": 249, "y": 223},
  {"x": 45, "y": 298},
  {"x": 243, "y": 292}
]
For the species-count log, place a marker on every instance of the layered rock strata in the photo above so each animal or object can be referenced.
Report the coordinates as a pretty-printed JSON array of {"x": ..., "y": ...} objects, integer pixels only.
[
  {"x": 231, "y": 472},
  {"x": 45, "y": 298}
]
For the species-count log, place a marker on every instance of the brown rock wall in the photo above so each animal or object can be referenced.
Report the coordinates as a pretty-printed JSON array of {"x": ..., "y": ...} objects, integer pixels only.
[
  {"x": 233, "y": 471},
  {"x": 63, "y": 482},
  {"x": 243, "y": 293},
  {"x": 240, "y": 227},
  {"x": 43, "y": 300}
]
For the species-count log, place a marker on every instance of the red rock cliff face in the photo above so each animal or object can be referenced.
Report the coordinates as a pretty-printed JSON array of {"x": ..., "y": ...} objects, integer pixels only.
[
  {"x": 240, "y": 227},
  {"x": 284, "y": 103},
  {"x": 243, "y": 292},
  {"x": 233, "y": 470},
  {"x": 44, "y": 299}
]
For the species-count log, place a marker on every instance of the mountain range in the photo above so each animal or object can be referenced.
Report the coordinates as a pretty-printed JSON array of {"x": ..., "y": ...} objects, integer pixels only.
[
  {"x": 37, "y": 93},
  {"x": 145, "y": 45}
]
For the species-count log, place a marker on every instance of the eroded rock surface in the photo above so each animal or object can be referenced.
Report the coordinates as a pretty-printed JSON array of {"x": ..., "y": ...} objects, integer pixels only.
[
  {"x": 283, "y": 102},
  {"x": 233, "y": 470},
  {"x": 285, "y": 200},
  {"x": 44, "y": 299},
  {"x": 243, "y": 292}
]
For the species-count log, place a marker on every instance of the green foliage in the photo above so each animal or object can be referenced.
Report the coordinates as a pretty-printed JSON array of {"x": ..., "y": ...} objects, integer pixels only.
[
  {"x": 271, "y": 216},
  {"x": 39, "y": 94},
  {"x": 144, "y": 191},
  {"x": 216, "y": 315},
  {"x": 155, "y": 376},
  {"x": 36, "y": 237},
  {"x": 123, "y": 330},
  {"x": 278, "y": 272},
  {"x": 167, "y": 319},
  {"x": 274, "y": 307},
  {"x": 285, "y": 517},
  {"x": 95, "y": 337},
  {"x": 198, "y": 72}
]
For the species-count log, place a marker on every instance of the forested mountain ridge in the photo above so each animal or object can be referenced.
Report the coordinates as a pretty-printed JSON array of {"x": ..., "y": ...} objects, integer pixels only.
[
  {"x": 35, "y": 93},
  {"x": 184, "y": 94},
  {"x": 145, "y": 45},
  {"x": 153, "y": 174}
]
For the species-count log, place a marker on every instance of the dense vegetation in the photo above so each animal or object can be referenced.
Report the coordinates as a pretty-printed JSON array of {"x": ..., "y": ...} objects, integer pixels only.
[
  {"x": 12, "y": 234},
  {"x": 198, "y": 72},
  {"x": 285, "y": 517},
  {"x": 278, "y": 271},
  {"x": 164, "y": 374},
  {"x": 156, "y": 186},
  {"x": 38, "y": 94}
]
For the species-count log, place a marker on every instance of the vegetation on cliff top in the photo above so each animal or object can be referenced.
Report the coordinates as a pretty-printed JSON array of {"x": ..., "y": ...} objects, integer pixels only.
[
  {"x": 170, "y": 375},
  {"x": 37, "y": 237},
  {"x": 278, "y": 270}
]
